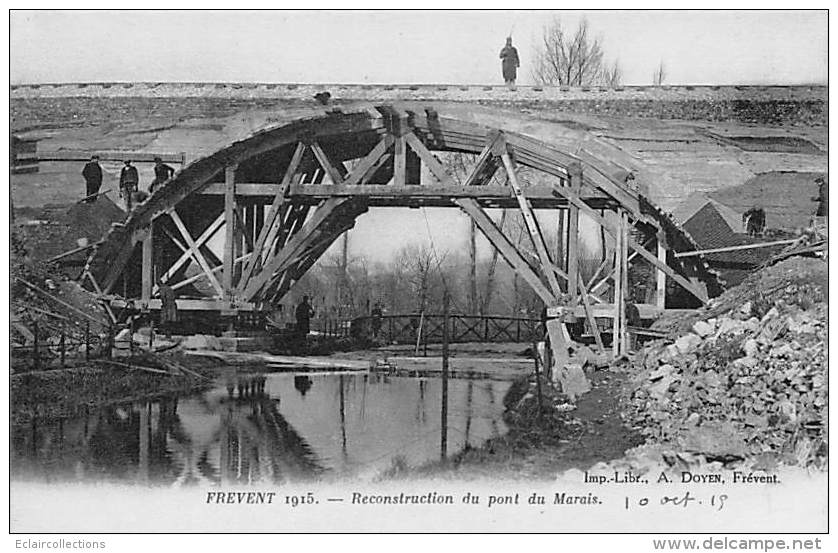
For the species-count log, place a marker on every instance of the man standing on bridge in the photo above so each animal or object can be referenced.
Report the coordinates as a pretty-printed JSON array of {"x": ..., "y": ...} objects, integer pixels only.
[
  {"x": 162, "y": 173},
  {"x": 92, "y": 174},
  {"x": 510, "y": 63},
  {"x": 128, "y": 181}
]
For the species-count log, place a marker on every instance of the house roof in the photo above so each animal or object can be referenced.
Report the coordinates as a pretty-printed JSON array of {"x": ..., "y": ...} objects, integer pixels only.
[
  {"x": 710, "y": 228},
  {"x": 698, "y": 200},
  {"x": 786, "y": 197}
]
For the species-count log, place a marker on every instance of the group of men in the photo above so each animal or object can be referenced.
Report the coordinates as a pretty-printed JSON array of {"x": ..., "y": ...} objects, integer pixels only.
[{"x": 129, "y": 180}]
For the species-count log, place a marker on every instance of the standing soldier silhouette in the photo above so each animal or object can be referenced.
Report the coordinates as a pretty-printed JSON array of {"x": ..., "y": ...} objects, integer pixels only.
[
  {"x": 92, "y": 174},
  {"x": 162, "y": 173},
  {"x": 510, "y": 62},
  {"x": 128, "y": 181}
]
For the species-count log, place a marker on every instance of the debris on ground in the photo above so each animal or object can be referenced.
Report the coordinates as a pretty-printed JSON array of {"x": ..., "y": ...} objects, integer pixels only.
[{"x": 744, "y": 378}]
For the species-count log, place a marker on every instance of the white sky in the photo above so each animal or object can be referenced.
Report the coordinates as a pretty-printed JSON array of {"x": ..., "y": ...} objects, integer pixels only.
[{"x": 697, "y": 47}]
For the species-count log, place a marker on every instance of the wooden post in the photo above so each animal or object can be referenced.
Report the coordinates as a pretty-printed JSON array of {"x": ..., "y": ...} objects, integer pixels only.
[
  {"x": 148, "y": 267},
  {"x": 618, "y": 290},
  {"x": 230, "y": 234},
  {"x": 61, "y": 344},
  {"x": 572, "y": 269},
  {"x": 151, "y": 337},
  {"x": 537, "y": 376},
  {"x": 443, "y": 447},
  {"x": 624, "y": 343},
  {"x": 472, "y": 275},
  {"x": 399, "y": 161},
  {"x": 532, "y": 227},
  {"x": 87, "y": 341},
  {"x": 36, "y": 355},
  {"x": 660, "y": 281},
  {"x": 561, "y": 246}
]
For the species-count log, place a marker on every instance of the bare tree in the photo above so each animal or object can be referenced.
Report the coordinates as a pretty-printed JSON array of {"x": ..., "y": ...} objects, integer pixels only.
[
  {"x": 420, "y": 267},
  {"x": 659, "y": 75},
  {"x": 612, "y": 75},
  {"x": 562, "y": 59}
]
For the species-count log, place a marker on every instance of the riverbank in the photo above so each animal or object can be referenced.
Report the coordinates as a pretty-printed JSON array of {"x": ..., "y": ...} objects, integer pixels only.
[{"x": 61, "y": 393}]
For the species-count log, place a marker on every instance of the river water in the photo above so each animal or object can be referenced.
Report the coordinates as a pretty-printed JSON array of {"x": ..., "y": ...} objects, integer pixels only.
[{"x": 257, "y": 429}]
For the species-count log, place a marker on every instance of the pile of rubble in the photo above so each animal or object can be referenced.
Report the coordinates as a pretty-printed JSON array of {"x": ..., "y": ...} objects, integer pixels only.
[{"x": 744, "y": 378}]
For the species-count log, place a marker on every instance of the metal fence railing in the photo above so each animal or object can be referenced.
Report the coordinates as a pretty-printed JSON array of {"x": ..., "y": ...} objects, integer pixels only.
[{"x": 421, "y": 328}]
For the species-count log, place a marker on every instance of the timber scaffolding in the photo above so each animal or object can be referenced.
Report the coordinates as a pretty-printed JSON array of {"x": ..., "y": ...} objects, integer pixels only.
[{"x": 282, "y": 196}]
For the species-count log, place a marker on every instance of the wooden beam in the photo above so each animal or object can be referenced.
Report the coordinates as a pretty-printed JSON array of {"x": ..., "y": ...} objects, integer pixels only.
[
  {"x": 85, "y": 155},
  {"x": 270, "y": 228},
  {"x": 195, "y": 252},
  {"x": 610, "y": 274},
  {"x": 624, "y": 226},
  {"x": 375, "y": 190},
  {"x": 486, "y": 156},
  {"x": 191, "y": 304},
  {"x": 187, "y": 252},
  {"x": 366, "y": 167},
  {"x": 99, "y": 293},
  {"x": 532, "y": 226},
  {"x": 199, "y": 276},
  {"x": 244, "y": 230},
  {"x": 660, "y": 276},
  {"x": 230, "y": 225},
  {"x": 400, "y": 161},
  {"x": 508, "y": 250},
  {"x": 686, "y": 284},
  {"x": 693, "y": 253},
  {"x": 296, "y": 244},
  {"x": 618, "y": 293},
  {"x": 572, "y": 251},
  {"x": 589, "y": 314},
  {"x": 117, "y": 264},
  {"x": 147, "y": 265},
  {"x": 436, "y": 168},
  {"x": 336, "y": 171}
]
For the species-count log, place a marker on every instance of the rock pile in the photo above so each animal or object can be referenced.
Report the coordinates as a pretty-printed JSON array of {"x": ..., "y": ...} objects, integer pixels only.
[{"x": 749, "y": 378}]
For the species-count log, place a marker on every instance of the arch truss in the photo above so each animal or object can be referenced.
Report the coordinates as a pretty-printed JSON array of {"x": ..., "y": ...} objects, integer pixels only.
[{"x": 232, "y": 232}]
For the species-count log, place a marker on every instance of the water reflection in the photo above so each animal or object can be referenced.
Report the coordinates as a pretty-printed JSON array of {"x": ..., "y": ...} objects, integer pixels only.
[{"x": 253, "y": 429}]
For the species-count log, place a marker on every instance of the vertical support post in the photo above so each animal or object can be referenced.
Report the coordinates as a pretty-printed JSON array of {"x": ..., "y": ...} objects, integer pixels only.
[
  {"x": 230, "y": 224},
  {"x": 62, "y": 343},
  {"x": 537, "y": 376},
  {"x": 151, "y": 337},
  {"x": 618, "y": 288},
  {"x": 561, "y": 246},
  {"x": 472, "y": 273},
  {"x": 399, "y": 161},
  {"x": 148, "y": 267},
  {"x": 109, "y": 348},
  {"x": 131, "y": 336},
  {"x": 573, "y": 253},
  {"x": 660, "y": 281},
  {"x": 87, "y": 341},
  {"x": 575, "y": 174},
  {"x": 624, "y": 228},
  {"x": 36, "y": 354},
  {"x": 443, "y": 446}
]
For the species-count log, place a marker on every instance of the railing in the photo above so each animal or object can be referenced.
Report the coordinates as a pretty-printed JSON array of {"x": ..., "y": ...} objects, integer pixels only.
[
  {"x": 424, "y": 329},
  {"x": 52, "y": 345},
  {"x": 332, "y": 328}
]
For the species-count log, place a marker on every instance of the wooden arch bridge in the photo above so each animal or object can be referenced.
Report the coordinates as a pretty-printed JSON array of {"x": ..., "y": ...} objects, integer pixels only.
[{"x": 233, "y": 231}]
